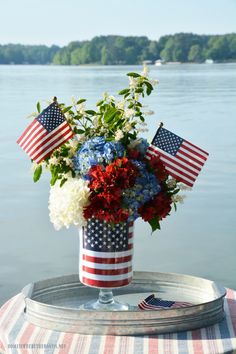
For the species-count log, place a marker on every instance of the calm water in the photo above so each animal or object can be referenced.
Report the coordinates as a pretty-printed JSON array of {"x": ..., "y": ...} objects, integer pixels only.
[{"x": 198, "y": 102}]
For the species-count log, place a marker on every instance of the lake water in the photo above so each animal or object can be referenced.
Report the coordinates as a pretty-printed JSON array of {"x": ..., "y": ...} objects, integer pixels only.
[{"x": 197, "y": 102}]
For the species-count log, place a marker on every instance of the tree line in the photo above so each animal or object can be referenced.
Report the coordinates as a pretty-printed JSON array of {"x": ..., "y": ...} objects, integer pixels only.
[{"x": 113, "y": 50}]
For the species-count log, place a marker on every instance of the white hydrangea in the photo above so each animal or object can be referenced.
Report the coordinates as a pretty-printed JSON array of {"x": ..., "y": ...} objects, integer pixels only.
[{"x": 66, "y": 203}]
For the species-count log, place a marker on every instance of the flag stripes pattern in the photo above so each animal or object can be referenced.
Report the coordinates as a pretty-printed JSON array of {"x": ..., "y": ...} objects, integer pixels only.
[
  {"x": 182, "y": 159},
  {"x": 45, "y": 134},
  {"x": 153, "y": 303},
  {"x": 218, "y": 338},
  {"x": 106, "y": 254}
]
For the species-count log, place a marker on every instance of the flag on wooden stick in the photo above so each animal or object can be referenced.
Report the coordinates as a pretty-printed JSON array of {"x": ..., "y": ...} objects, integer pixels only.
[
  {"x": 182, "y": 159},
  {"x": 46, "y": 133}
]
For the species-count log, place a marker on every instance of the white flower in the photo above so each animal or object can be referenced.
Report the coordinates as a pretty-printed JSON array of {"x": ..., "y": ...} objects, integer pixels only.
[
  {"x": 73, "y": 143},
  {"x": 154, "y": 82},
  {"x": 183, "y": 187},
  {"x": 73, "y": 101},
  {"x": 136, "y": 96},
  {"x": 132, "y": 82},
  {"x": 171, "y": 183},
  {"x": 54, "y": 160},
  {"x": 35, "y": 165},
  {"x": 66, "y": 203},
  {"x": 120, "y": 105},
  {"x": 81, "y": 138},
  {"x": 129, "y": 113},
  {"x": 68, "y": 161},
  {"x": 111, "y": 98},
  {"x": 119, "y": 135},
  {"x": 148, "y": 113},
  {"x": 127, "y": 127},
  {"x": 178, "y": 198},
  {"x": 105, "y": 95},
  {"x": 33, "y": 115},
  {"x": 96, "y": 122},
  {"x": 81, "y": 108},
  {"x": 145, "y": 70}
]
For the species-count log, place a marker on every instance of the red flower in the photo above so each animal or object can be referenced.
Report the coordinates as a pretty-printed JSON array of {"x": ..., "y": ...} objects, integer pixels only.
[
  {"x": 159, "y": 207},
  {"x": 107, "y": 185},
  {"x": 157, "y": 167},
  {"x": 134, "y": 154}
]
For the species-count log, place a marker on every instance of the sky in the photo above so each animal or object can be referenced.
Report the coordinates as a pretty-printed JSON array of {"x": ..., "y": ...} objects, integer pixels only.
[{"x": 62, "y": 21}]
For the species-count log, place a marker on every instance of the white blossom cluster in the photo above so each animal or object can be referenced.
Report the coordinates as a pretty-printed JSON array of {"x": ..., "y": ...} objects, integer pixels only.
[{"x": 66, "y": 203}]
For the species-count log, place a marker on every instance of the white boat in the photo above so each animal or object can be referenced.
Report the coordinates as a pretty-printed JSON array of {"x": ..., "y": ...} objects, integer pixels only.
[
  {"x": 209, "y": 61},
  {"x": 159, "y": 62}
]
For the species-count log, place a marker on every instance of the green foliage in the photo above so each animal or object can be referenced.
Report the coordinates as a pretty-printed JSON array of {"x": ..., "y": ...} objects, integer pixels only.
[
  {"x": 112, "y": 50},
  {"x": 155, "y": 225},
  {"x": 37, "y": 173},
  {"x": 110, "y": 118}
]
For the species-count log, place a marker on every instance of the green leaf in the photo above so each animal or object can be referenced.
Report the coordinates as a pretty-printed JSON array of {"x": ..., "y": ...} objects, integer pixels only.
[
  {"x": 81, "y": 101},
  {"x": 149, "y": 87},
  {"x": 63, "y": 181},
  {"x": 139, "y": 90},
  {"x": 154, "y": 223},
  {"x": 99, "y": 103},
  {"x": 90, "y": 112},
  {"x": 123, "y": 92},
  {"x": 37, "y": 173},
  {"x": 110, "y": 114},
  {"x": 133, "y": 74},
  {"x": 79, "y": 131},
  {"x": 53, "y": 179},
  {"x": 38, "y": 107},
  {"x": 66, "y": 109}
]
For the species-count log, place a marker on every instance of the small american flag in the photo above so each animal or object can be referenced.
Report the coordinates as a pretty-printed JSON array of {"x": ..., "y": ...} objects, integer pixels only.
[
  {"x": 154, "y": 303},
  {"x": 46, "y": 133},
  {"x": 182, "y": 159},
  {"x": 106, "y": 256}
]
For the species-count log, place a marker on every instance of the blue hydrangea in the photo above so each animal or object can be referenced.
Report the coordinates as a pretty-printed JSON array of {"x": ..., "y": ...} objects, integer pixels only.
[
  {"x": 142, "y": 147},
  {"x": 145, "y": 188},
  {"x": 97, "y": 151}
]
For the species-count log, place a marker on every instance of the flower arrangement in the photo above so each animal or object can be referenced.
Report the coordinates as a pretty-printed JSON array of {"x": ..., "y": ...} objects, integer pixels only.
[{"x": 103, "y": 171}]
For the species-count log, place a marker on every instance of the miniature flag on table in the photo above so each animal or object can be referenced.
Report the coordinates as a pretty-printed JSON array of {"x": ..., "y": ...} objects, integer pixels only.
[
  {"x": 107, "y": 251},
  {"x": 154, "y": 303},
  {"x": 182, "y": 159},
  {"x": 45, "y": 134}
]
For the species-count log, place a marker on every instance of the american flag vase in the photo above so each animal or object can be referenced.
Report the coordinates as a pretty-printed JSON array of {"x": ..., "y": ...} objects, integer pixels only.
[{"x": 106, "y": 253}]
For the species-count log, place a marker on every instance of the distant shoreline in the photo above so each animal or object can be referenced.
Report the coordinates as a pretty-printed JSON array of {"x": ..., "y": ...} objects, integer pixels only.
[
  {"x": 104, "y": 65},
  {"x": 121, "y": 50}
]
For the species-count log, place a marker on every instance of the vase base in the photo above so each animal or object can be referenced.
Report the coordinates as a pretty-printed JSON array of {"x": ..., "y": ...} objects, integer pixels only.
[{"x": 98, "y": 306}]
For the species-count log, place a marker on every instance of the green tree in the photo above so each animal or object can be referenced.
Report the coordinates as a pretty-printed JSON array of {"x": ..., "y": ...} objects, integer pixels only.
[{"x": 195, "y": 53}]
